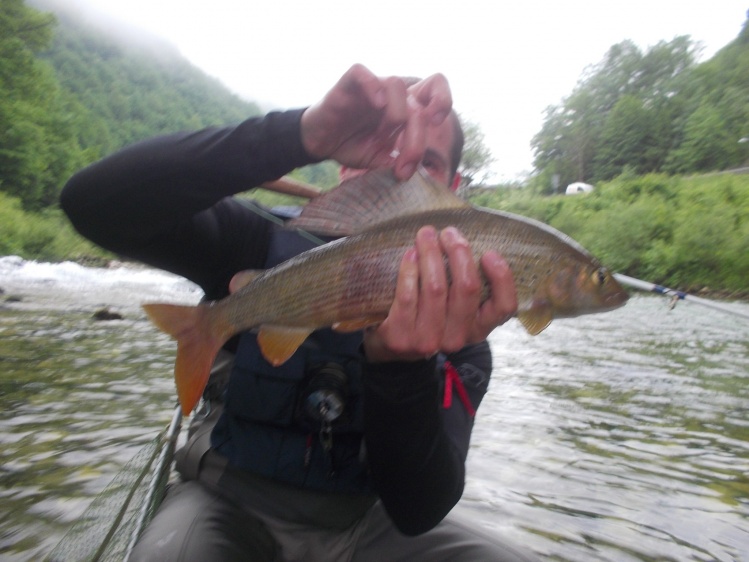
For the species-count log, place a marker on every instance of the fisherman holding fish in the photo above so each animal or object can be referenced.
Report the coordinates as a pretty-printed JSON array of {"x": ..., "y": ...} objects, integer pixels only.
[{"x": 342, "y": 444}]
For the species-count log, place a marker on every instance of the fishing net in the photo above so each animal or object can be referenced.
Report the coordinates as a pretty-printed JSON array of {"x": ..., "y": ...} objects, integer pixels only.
[{"x": 112, "y": 523}]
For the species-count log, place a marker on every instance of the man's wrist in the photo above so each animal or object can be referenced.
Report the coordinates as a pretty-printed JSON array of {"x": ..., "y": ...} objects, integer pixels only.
[{"x": 312, "y": 136}]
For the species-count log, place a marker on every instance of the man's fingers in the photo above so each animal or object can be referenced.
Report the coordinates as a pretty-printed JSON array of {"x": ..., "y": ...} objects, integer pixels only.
[
  {"x": 407, "y": 288},
  {"x": 434, "y": 96},
  {"x": 503, "y": 303},
  {"x": 364, "y": 118},
  {"x": 391, "y": 340},
  {"x": 412, "y": 142},
  {"x": 393, "y": 120},
  {"x": 433, "y": 290},
  {"x": 370, "y": 84},
  {"x": 465, "y": 289}
]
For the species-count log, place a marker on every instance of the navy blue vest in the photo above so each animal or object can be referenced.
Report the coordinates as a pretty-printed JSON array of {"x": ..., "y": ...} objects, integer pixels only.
[{"x": 263, "y": 428}]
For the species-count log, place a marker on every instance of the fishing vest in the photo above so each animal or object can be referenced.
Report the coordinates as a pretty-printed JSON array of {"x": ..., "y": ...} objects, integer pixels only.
[{"x": 267, "y": 427}]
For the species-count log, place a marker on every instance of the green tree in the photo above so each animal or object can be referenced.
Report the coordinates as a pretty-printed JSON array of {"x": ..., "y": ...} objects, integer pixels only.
[
  {"x": 35, "y": 147},
  {"x": 579, "y": 140},
  {"x": 474, "y": 165},
  {"x": 708, "y": 143},
  {"x": 716, "y": 97},
  {"x": 565, "y": 146},
  {"x": 625, "y": 140}
]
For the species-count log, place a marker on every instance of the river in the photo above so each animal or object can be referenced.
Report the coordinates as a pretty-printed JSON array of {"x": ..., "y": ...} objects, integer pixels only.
[{"x": 619, "y": 436}]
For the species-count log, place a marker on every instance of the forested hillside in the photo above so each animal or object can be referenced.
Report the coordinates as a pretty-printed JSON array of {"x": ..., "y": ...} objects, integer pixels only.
[
  {"x": 129, "y": 85},
  {"x": 73, "y": 90},
  {"x": 652, "y": 111}
]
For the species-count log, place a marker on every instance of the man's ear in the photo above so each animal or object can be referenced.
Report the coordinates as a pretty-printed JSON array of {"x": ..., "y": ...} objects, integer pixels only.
[{"x": 456, "y": 182}]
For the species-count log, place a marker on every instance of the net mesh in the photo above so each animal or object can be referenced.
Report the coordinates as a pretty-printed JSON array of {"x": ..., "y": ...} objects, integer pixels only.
[{"x": 118, "y": 514}]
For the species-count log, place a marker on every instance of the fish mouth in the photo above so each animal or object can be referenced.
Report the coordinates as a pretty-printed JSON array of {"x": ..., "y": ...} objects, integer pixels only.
[{"x": 615, "y": 300}]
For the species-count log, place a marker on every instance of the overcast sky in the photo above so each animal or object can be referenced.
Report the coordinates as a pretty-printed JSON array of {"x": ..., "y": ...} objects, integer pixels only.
[{"x": 506, "y": 61}]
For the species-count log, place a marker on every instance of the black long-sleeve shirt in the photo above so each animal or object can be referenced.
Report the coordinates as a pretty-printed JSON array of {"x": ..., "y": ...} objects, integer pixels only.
[{"x": 167, "y": 202}]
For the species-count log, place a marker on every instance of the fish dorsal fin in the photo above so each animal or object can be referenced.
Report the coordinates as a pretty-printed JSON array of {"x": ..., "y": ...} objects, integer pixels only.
[
  {"x": 278, "y": 343},
  {"x": 372, "y": 198}
]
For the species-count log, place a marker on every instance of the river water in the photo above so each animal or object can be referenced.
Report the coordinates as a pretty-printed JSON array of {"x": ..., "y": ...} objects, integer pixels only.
[{"x": 620, "y": 436}]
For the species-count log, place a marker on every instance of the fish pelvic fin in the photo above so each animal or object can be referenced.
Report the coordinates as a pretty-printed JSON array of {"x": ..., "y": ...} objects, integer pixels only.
[
  {"x": 278, "y": 343},
  {"x": 537, "y": 319},
  {"x": 198, "y": 341}
]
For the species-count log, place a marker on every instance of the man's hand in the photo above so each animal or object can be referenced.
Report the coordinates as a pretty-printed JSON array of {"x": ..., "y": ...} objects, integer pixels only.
[
  {"x": 429, "y": 315},
  {"x": 364, "y": 119}
]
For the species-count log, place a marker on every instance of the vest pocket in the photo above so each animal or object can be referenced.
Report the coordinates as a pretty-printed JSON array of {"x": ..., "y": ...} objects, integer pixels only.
[{"x": 260, "y": 393}]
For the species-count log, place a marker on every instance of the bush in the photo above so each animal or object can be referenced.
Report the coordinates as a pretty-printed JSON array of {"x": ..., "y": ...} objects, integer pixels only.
[
  {"x": 686, "y": 232},
  {"x": 46, "y": 236}
]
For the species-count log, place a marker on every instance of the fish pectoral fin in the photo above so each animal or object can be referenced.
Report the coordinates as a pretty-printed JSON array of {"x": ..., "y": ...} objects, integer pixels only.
[
  {"x": 278, "y": 343},
  {"x": 243, "y": 278},
  {"x": 348, "y": 326},
  {"x": 537, "y": 318}
]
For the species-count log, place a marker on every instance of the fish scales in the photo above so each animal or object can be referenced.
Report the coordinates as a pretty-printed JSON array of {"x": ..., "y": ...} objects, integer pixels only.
[{"x": 355, "y": 277}]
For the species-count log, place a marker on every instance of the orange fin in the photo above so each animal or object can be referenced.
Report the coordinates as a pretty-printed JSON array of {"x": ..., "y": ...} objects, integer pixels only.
[
  {"x": 278, "y": 343},
  {"x": 358, "y": 324},
  {"x": 198, "y": 342},
  {"x": 536, "y": 319}
]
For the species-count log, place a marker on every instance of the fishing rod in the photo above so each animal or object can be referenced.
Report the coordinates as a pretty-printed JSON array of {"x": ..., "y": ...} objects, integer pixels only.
[
  {"x": 676, "y": 295},
  {"x": 290, "y": 186}
]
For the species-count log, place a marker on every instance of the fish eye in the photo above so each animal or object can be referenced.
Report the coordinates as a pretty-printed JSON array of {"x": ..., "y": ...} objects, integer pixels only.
[{"x": 600, "y": 276}]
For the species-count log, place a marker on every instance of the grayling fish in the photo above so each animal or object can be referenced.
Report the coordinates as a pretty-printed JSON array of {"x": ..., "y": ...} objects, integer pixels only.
[{"x": 350, "y": 283}]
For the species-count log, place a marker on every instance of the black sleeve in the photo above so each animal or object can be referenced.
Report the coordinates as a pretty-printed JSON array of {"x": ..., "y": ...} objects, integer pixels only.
[
  {"x": 416, "y": 448},
  {"x": 165, "y": 201}
]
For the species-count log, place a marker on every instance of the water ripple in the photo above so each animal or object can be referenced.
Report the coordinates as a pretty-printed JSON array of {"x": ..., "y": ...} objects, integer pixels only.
[
  {"x": 621, "y": 436},
  {"x": 618, "y": 437}
]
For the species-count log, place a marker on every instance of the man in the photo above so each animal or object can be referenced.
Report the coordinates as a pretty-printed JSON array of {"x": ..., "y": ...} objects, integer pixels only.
[{"x": 374, "y": 479}]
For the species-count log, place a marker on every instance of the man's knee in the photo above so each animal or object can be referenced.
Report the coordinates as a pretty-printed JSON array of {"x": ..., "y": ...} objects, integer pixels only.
[
  {"x": 475, "y": 543},
  {"x": 197, "y": 524}
]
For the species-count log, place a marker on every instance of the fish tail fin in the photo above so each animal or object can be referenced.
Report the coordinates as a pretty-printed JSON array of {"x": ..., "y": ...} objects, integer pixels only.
[{"x": 198, "y": 341}]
